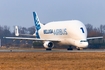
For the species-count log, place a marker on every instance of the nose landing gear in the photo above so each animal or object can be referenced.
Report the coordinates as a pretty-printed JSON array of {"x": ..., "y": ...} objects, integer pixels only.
[
  {"x": 79, "y": 48},
  {"x": 70, "y": 48}
]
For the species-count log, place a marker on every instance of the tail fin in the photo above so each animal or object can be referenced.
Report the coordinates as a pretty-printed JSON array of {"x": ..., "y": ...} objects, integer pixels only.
[
  {"x": 36, "y": 21},
  {"x": 37, "y": 24},
  {"x": 16, "y": 31}
]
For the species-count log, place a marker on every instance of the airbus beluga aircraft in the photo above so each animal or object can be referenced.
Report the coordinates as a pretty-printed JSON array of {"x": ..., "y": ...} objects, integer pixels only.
[{"x": 71, "y": 33}]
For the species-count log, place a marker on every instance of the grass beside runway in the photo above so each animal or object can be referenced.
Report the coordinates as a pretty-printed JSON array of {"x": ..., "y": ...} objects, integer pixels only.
[{"x": 52, "y": 61}]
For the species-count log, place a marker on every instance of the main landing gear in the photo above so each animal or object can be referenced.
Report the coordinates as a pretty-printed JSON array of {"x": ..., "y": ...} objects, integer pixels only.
[
  {"x": 48, "y": 49},
  {"x": 69, "y": 48}
]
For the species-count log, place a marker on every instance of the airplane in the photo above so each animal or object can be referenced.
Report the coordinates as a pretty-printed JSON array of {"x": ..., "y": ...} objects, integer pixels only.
[{"x": 70, "y": 32}]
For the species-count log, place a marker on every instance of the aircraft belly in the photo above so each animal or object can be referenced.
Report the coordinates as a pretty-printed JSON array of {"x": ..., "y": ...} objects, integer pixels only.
[{"x": 67, "y": 42}]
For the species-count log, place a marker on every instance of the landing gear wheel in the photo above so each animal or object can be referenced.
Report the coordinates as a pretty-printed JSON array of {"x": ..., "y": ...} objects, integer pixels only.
[
  {"x": 48, "y": 49},
  {"x": 78, "y": 49},
  {"x": 70, "y": 48}
]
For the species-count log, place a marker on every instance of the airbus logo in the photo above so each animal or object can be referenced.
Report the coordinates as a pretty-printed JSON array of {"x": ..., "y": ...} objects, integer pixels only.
[{"x": 56, "y": 31}]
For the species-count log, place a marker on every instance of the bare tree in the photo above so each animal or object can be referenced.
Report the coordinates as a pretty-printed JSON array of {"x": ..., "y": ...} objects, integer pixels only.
[
  {"x": 31, "y": 30},
  {"x": 23, "y": 30}
]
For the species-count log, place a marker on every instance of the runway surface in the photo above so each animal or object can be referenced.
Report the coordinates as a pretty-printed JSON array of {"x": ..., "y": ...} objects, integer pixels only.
[{"x": 53, "y": 50}]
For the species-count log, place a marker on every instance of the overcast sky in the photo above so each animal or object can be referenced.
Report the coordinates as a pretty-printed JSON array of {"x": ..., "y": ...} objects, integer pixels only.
[{"x": 19, "y": 12}]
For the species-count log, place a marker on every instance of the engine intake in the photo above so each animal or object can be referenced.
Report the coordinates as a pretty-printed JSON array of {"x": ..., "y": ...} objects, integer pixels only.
[{"x": 48, "y": 44}]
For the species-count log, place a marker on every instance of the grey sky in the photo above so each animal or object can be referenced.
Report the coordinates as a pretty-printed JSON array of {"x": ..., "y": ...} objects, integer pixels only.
[{"x": 19, "y": 12}]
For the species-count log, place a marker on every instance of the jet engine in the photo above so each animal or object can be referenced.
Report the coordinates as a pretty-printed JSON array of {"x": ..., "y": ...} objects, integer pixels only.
[{"x": 48, "y": 44}]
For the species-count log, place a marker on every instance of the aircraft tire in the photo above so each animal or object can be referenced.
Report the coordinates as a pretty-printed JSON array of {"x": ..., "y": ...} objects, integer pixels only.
[
  {"x": 48, "y": 49},
  {"x": 70, "y": 48},
  {"x": 78, "y": 49}
]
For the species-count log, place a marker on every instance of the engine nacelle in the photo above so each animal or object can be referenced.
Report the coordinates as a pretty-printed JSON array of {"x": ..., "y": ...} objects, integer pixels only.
[{"x": 48, "y": 44}]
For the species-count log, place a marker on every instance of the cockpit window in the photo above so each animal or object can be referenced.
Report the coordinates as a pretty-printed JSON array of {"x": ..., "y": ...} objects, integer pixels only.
[{"x": 83, "y": 41}]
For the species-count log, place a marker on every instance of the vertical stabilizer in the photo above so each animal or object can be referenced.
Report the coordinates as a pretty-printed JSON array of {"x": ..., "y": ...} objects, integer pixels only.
[
  {"x": 16, "y": 31},
  {"x": 37, "y": 24}
]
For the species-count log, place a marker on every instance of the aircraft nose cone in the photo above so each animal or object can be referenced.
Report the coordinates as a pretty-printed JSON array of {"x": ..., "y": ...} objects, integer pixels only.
[{"x": 82, "y": 44}]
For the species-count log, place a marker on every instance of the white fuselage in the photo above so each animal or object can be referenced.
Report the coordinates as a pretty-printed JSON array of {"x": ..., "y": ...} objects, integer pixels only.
[{"x": 71, "y": 32}]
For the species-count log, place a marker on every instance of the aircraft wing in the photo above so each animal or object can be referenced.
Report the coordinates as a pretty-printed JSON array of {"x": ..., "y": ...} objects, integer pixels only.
[
  {"x": 100, "y": 37},
  {"x": 27, "y": 35},
  {"x": 34, "y": 39}
]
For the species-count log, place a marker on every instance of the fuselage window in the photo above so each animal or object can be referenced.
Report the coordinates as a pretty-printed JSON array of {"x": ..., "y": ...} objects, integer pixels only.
[{"x": 82, "y": 30}]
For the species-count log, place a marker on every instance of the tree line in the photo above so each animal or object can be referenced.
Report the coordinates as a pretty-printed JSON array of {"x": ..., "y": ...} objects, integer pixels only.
[
  {"x": 6, "y": 32},
  {"x": 91, "y": 30}
]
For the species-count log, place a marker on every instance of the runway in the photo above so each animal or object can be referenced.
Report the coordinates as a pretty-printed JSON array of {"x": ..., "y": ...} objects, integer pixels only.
[{"x": 53, "y": 50}]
